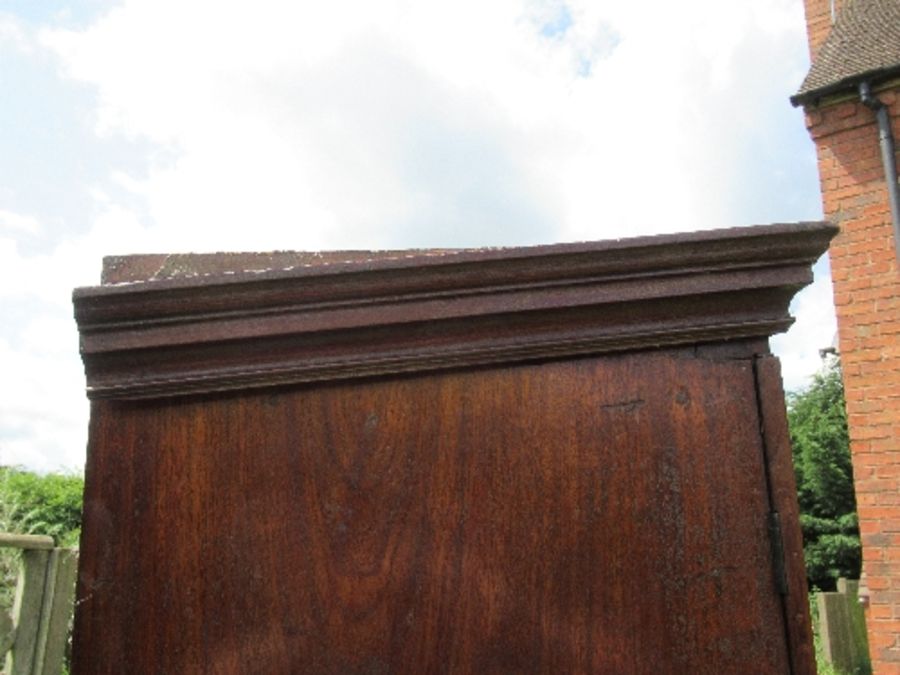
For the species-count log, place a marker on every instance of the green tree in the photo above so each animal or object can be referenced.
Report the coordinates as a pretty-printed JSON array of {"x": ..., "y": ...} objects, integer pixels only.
[{"x": 821, "y": 449}]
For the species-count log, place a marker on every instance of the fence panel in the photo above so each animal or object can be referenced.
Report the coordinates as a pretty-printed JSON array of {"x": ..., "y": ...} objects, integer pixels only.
[
  {"x": 34, "y": 638},
  {"x": 842, "y": 626}
]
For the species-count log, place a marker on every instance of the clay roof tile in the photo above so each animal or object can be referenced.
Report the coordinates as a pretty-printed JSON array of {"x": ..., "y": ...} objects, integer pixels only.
[{"x": 864, "y": 44}]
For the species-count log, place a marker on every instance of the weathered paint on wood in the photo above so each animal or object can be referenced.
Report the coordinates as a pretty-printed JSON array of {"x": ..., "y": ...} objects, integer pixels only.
[
  {"x": 27, "y": 611},
  {"x": 32, "y": 541},
  {"x": 842, "y": 627},
  {"x": 34, "y": 642},
  {"x": 56, "y": 610}
]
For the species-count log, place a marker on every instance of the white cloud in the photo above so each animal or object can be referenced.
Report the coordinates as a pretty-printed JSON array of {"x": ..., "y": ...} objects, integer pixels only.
[
  {"x": 307, "y": 125},
  {"x": 44, "y": 420},
  {"x": 73, "y": 261},
  {"x": 814, "y": 329},
  {"x": 19, "y": 223},
  {"x": 14, "y": 35},
  {"x": 43, "y": 423},
  {"x": 393, "y": 123}
]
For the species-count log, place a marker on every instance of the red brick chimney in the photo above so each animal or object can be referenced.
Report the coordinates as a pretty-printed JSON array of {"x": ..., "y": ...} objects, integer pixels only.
[{"x": 862, "y": 45}]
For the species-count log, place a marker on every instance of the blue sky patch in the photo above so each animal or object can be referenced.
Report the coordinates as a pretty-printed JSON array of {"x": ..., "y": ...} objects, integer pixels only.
[
  {"x": 46, "y": 124},
  {"x": 58, "y": 12},
  {"x": 558, "y": 24}
]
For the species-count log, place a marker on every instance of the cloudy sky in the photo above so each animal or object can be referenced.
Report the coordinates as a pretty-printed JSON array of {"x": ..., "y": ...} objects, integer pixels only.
[{"x": 138, "y": 126}]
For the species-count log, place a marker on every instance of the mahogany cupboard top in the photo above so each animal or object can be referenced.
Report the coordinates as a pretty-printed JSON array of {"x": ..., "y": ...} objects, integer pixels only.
[
  {"x": 439, "y": 487},
  {"x": 178, "y": 324}
]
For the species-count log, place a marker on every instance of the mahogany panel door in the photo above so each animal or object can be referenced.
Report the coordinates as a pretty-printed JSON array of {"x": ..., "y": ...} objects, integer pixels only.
[{"x": 592, "y": 515}]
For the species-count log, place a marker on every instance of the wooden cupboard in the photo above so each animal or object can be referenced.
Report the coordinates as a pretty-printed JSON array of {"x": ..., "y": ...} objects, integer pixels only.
[{"x": 559, "y": 459}]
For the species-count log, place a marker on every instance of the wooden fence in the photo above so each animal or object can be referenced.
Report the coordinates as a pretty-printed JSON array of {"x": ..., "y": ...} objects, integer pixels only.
[
  {"x": 842, "y": 627},
  {"x": 33, "y": 639}
]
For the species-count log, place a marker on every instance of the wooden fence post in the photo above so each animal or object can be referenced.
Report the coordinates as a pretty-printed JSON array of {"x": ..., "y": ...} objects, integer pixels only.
[
  {"x": 842, "y": 626},
  {"x": 35, "y": 642}
]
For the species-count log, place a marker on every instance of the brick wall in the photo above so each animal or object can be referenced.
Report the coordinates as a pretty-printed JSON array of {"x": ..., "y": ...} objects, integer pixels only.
[
  {"x": 818, "y": 22},
  {"x": 867, "y": 298}
]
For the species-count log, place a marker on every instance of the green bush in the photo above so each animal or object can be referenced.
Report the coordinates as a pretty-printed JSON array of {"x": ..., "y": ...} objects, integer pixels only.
[
  {"x": 821, "y": 451},
  {"x": 32, "y": 503},
  {"x": 49, "y": 504}
]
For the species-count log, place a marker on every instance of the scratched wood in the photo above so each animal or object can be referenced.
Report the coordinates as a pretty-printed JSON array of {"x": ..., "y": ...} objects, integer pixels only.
[{"x": 595, "y": 515}]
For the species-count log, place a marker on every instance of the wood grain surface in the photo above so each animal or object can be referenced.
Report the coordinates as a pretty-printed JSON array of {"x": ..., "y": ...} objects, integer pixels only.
[
  {"x": 594, "y": 515},
  {"x": 783, "y": 490}
]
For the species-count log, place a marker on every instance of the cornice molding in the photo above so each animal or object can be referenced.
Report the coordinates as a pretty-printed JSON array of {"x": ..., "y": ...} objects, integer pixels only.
[{"x": 231, "y": 322}]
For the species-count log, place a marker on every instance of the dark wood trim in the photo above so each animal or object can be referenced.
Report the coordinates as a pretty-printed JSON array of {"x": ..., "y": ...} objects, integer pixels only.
[
  {"x": 203, "y": 328},
  {"x": 783, "y": 493}
]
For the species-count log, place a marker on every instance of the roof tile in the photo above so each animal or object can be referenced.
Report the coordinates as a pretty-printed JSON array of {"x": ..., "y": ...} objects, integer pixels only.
[{"x": 864, "y": 43}]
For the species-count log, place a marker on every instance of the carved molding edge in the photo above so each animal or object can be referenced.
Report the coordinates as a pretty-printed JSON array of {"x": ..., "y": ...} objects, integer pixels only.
[{"x": 226, "y": 329}]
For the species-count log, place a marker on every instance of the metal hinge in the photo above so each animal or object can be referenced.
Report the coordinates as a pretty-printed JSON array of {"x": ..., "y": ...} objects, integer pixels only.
[{"x": 778, "y": 566}]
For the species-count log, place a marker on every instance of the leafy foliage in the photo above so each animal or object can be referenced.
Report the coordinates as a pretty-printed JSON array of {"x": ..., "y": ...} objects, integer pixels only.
[
  {"x": 32, "y": 503},
  {"x": 821, "y": 449},
  {"x": 48, "y": 504}
]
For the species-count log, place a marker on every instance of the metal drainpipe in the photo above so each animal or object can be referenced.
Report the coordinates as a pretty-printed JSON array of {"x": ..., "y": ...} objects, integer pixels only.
[{"x": 886, "y": 141}]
